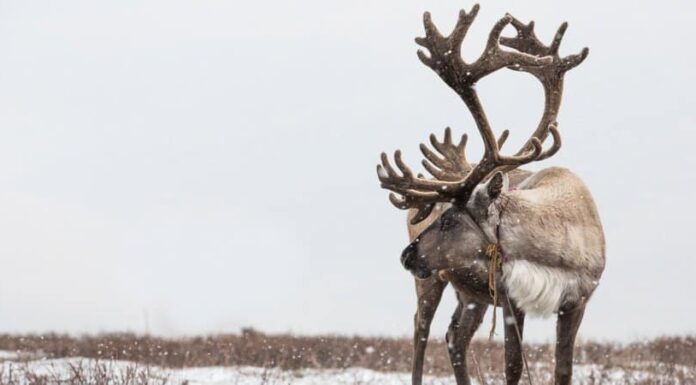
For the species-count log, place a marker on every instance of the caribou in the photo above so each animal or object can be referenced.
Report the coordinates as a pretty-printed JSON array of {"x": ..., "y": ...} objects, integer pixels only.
[{"x": 536, "y": 249}]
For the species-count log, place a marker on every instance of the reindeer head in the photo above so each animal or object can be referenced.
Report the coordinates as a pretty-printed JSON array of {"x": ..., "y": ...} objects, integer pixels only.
[{"x": 462, "y": 233}]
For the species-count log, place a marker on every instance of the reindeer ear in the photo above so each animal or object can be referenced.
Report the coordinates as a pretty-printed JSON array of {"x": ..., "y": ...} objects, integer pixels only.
[{"x": 497, "y": 184}]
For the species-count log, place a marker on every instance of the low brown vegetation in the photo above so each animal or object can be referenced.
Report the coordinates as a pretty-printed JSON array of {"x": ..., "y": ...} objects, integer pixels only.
[{"x": 253, "y": 348}]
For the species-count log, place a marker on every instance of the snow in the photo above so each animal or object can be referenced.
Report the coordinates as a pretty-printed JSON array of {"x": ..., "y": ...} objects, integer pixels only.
[
  {"x": 7, "y": 355},
  {"x": 240, "y": 375},
  {"x": 244, "y": 375},
  {"x": 382, "y": 172}
]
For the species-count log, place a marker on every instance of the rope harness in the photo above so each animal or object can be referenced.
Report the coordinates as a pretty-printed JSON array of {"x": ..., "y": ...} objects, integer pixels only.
[
  {"x": 496, "y": 257},
  {"x": 495, "y": 254}
]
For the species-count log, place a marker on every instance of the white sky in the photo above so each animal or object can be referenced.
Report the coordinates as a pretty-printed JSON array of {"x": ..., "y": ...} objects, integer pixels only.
[{"x": 199, "y": 166}]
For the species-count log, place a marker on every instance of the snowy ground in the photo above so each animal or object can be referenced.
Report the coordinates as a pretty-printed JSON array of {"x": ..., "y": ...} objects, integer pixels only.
[{"x": 61, "y": 370}]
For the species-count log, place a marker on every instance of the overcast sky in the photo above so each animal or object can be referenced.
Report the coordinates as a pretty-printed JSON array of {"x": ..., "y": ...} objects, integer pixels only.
[{"x": 184, "y": 167}]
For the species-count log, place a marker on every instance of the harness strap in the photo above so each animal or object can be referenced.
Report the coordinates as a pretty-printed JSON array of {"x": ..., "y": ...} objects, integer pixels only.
[{"x": 495, "y": 254}]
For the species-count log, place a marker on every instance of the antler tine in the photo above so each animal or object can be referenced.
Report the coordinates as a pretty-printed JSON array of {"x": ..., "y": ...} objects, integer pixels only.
[
  {"x": 557, "y": 38},
  {"x": 462, "y": 27},
  {"x": 527, "y": 42},
  {"x": 452, "y": 165},
  {"x": 407, "y": 184},
  {"x": 571, "y": 61},
  {"x": 518, "y": 160},
  {"x": 553, "y": 128},
  {"x": 409, "y": 202}
]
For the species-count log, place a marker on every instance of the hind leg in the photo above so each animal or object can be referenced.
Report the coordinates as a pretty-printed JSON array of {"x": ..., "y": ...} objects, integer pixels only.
[
  {"x": 465, "y": 321},
  {"x": 429, "y": 293},
  {"x": 566, "y": 329}
]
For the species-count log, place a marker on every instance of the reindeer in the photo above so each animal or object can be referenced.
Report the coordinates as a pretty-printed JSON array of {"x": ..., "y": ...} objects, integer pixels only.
[
  {"x": 539, "y": 248},
  {"x": 450, "y": 164}
]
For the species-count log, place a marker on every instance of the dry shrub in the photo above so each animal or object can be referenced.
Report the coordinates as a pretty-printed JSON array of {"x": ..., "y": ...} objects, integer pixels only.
[
  {"x": 253, "y": 348},
  {"x": 80, "y": 374}
]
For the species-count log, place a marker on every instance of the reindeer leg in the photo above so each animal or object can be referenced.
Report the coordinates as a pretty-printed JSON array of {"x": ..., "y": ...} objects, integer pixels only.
[
  {"x": 429, "y": 293},
  {"x": 513, "y": 345},
  {"x": 465, "y": 321},
  {"x": 566, "y": 328}
]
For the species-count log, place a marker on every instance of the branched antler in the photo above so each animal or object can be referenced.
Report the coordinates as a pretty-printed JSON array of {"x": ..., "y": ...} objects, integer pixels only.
[
  {"x": 451, "y": 164},
  {"x": 551, "y": 75},
  {"x": 526, "y": 41},
  {"x": 455, "y": 177},
  {"x": 448, "y": 164},
  {"x": 445, "y": 52}
]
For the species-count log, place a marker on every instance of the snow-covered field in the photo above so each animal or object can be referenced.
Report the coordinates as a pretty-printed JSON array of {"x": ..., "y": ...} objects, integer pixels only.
[{"x": 123, "y": 372}]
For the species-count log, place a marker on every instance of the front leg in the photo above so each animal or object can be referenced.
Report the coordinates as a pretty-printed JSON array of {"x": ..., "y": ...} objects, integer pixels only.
[
  {"x": 465, "y": 321},
  {"x": 429, "y": 293},
  {"x": 513, "y": 341},
  {"x": 566, "y": 328}
]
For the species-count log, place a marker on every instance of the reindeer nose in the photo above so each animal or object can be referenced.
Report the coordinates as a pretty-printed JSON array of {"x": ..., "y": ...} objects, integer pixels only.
[{"x": 408, "y": 256}]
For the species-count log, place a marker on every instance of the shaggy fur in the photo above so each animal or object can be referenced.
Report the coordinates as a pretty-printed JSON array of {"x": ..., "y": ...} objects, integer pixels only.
[
  {"x": 537, "y": 289},
  {"x": 553, "y": 256}
]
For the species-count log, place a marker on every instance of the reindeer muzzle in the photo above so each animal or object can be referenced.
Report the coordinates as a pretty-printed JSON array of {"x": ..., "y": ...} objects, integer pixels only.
[{"x": 412, "y": 262}]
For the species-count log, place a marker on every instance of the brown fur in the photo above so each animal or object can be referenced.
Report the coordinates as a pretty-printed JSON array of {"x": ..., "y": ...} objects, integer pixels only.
[
  {"x": 476, "y": 217},
  {"x": 429, "y": 291},
  {"x": 550, "y": 222}
]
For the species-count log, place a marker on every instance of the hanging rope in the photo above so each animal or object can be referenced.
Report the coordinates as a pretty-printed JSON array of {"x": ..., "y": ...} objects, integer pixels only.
[{"x": 495, "y": 255}]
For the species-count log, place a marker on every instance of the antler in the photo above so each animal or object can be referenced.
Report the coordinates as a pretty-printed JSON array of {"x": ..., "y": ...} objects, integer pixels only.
[
  {"x": 445, "y": 59},
  {"x": 550, "y": 76},
  {"x": 450, "y": 165},
  {"x": 445, "y": 52}
]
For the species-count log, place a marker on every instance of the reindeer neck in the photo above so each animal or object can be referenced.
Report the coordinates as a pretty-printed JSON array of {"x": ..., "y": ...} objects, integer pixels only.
[
  {"x": 471, "y": 279},
  {"x": 516, "y": 231}
]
